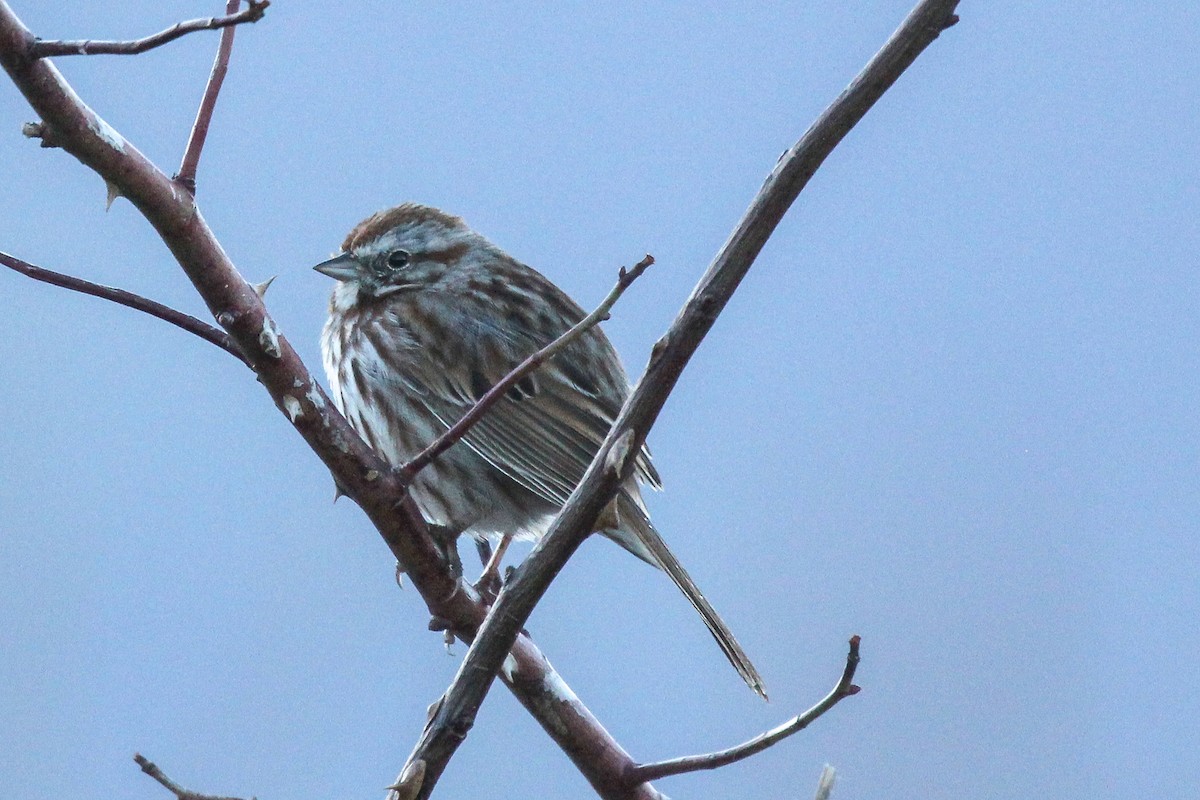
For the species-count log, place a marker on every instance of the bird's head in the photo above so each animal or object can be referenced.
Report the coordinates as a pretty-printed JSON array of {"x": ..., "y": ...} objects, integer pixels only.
[{"x": 402, "y": 249}]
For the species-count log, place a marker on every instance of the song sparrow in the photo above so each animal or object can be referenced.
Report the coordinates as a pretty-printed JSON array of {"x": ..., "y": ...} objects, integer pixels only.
[{"x": 426, "y": 316}]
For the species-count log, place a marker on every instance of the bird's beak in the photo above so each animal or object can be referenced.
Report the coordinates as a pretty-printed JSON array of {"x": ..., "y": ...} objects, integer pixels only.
[{"x": 340, "y": 268}]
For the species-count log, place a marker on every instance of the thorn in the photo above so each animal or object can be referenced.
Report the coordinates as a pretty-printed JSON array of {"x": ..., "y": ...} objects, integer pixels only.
[
  {"x": 659, "y": 346},
  {"x": 434, "y": 707},
  {"x": 399, "y": 575},
  {"x": 338, "y": 494},
  {"x": 411, "y": 780},
  {"x": 614, "y": 460},
  {"x": 261, "y": 288},
  {"x": 113, "y": 193},
  {"x": 448, "y": 640}
]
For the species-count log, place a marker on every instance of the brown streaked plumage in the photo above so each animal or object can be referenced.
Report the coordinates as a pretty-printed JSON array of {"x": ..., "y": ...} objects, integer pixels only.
[{"x": 427, "y": 315}]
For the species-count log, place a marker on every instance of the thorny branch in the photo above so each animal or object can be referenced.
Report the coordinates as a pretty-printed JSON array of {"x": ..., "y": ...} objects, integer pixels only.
[
  {"x": 49, "y": 48},
  {"x": 614, "y": 462},
  {"x": 135, "y": 301},
  {"x": 458, "y": 430},
  {"x": 358, "y": 470},
  {"x": 677, "y": 766}
]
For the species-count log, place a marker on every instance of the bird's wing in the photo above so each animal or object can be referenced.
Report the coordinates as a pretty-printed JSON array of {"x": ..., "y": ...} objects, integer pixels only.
[{"x": 545, "y": 431}]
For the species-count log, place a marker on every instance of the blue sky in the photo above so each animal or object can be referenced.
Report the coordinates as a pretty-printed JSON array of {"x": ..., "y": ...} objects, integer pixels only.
[{"x": 952, "y": 409}]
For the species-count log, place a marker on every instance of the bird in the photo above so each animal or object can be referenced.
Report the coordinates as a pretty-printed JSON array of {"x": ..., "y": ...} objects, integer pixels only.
[{"x": 426, "y": 315}]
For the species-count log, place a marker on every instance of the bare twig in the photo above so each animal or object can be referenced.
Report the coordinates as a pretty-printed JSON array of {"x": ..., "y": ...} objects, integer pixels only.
[
  {"x": 151, "y": 769},
  {"x": 825, "y": 783},
  {"x": 677, "y": 766},
  {"x": 191, "y": 154},
  {"x": 89, "y": 47},
  {"x": 459, "y": 429},
  {"x": 616, "y": 458},
  {"x": 40, "y": 131},
  {"x": 179, "y": 319}
]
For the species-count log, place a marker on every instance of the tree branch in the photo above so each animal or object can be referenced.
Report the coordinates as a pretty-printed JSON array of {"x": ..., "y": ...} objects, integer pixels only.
[
  {"x": 677, "y": 766},
  {"x": 358, "y": 470},
  {"x": 151, "y": 769},
  {"x": 459, "y": 429},
  {"x": 88, "y": 47},
  {"x": 135, "y": 301},
  {"x": 191, "y": 153},
  {"x": 616, "y": 458}
]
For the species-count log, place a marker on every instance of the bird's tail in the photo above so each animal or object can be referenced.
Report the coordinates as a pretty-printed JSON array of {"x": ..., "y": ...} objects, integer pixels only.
[{"x": 638, "y": 536}]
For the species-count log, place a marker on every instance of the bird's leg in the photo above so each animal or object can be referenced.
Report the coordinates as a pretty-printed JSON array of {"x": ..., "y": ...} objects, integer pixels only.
[
  {"x": 489, "y": 582},
  {"x": 446, "y": 539}
]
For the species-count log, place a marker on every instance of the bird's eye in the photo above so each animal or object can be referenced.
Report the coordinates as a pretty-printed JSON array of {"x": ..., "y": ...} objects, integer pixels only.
[{"x": 398, "y": 259}]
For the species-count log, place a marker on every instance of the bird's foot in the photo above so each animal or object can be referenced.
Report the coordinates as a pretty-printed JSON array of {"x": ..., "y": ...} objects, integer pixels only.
[
  {"x": 443, "y": 625},
  {"x": 446, "y": 539}
]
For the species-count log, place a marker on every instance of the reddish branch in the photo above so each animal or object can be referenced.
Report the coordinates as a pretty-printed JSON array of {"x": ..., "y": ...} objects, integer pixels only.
[
  {"x": 90, "y": 47},
  {"x": 135, "y": 301},
  {"x": 191, "y": 154},
  {"x": 459, "y": 429},
  {"x": 677, "y": 766},
  {"x": 616, "y": 458}
]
